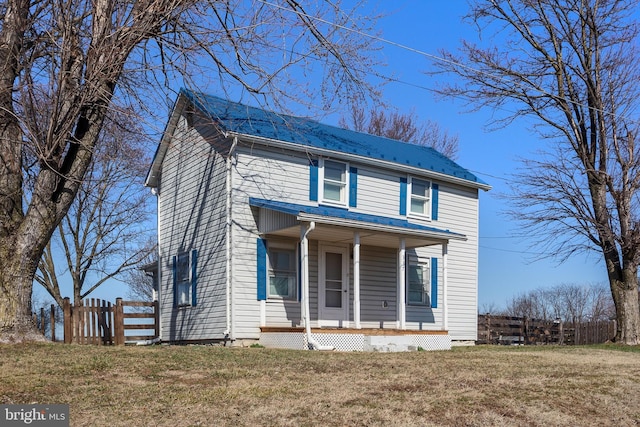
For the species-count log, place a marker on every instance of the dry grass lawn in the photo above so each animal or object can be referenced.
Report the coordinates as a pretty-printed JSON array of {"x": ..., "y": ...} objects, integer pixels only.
[{"x": 213, "y": 386}]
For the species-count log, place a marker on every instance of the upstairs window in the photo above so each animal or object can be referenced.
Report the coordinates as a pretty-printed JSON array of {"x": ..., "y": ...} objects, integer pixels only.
[
  {"x": 420, "y": 201},
  {"x": 334, "y": 182}
]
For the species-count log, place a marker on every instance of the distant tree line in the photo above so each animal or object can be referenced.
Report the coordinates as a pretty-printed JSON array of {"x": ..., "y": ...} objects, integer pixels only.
[{"x": 568, "y": 302}]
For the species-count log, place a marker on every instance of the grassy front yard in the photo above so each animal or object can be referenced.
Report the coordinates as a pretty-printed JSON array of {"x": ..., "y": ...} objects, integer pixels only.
[{"x": 207, "y": 386}]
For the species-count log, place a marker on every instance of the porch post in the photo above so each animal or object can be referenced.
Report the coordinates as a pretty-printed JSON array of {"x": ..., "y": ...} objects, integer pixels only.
[
  {"x": 402, "y": 275},
  {"x": 356, "y": 279},
  {"x": 304, "y": 275},
  {"x": 445, "y": 301}
]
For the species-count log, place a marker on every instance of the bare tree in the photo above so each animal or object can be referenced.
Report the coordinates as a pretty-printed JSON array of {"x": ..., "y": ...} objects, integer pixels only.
[
  {"x": 576, "y": 302},
  {"x": 104, "y": 233},
  {"x": 572, "y": 66},
  {"x": 556, "y": 302},
  {"x": 602, "y": 306},
  {"x": 401, "y": 127},
  {"x": 490, "y": 308},
  {"x": 86, "y": 58},
  {"x": 524, "y": 305},
  {"x": 141, "y": 280},
  {"x": 534, "y": 304},
  {"x": 567, "y": 301}
]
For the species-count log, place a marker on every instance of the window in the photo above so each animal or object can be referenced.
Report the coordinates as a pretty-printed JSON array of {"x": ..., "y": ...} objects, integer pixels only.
[
  {"x": 334, "y": 182},
  {"x": 420, "y": 197},
  {"x": 184, "y": 278},
  {"x": 282, "y": 274},
  {"x": 418, "y": 283}
]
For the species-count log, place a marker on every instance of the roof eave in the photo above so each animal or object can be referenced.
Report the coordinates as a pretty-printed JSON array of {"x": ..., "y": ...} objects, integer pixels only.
[
  {"x": 432, "y": 234},
  {"x": 361, "y": 159},
  {"x": 153, "y": 174}
]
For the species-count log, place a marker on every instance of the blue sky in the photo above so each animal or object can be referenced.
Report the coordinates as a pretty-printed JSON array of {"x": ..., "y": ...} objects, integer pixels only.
[{"x": 505, "y": 269}]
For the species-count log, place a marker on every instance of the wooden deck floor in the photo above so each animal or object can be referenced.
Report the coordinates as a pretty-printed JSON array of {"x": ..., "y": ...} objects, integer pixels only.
[{"x": 365, "y": 331}]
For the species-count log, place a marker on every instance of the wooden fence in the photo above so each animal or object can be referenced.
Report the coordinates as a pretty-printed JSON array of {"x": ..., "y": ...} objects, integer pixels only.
[
  {"x": 99, "y": 322},
  {"x": 524, "y": 331},
  {"x": 41, "y": 321},
  {"x": 589, "y": 332}
]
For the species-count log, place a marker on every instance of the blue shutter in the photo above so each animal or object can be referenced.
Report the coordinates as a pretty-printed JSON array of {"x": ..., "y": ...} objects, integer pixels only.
[
  {"x": 434, "y": 282},
  {"x": 262, "y": 269},
  {"x": 313, "y": 180},
  {"x": 174, "y": 269},
  {"x": 403, "y": 196},
  {"x": 194, "y": 276},
  {"x": 434, "y": 201},
  {"x": 353, "y": 187}
]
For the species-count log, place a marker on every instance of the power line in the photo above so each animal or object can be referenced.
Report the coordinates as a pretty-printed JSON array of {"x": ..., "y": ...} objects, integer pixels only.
[
  {"x": 489, "y": 175},
  {"x": 438, "y": 59},
  {"x": 512, "y": 251}
]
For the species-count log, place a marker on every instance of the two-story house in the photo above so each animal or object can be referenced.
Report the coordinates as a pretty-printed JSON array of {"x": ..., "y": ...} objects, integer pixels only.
[{"x": 292, "y": 233}]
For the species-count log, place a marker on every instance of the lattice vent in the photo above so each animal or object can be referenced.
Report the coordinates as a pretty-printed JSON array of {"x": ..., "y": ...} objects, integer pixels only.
[
  {"x": 432, "y": 342},
  {"x": 290, "y": 340},
  {"x": 354, "y": 342},
  {"x": 341, "y": 342}
]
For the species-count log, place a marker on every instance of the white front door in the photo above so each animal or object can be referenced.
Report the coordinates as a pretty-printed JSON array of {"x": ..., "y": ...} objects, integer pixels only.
[{"x": 333, "y": 286}]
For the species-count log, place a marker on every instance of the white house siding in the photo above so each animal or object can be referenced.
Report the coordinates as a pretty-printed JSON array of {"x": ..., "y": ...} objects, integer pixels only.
[
  {"x": 270, "y": 175},
  {"x": 314, "y": 252},
  {"x": 279, "y": 175},
  {"x": 458, "y": 211},
  {"x": 374, "y": 183},
  {"x": 378, "y": 284},
  {"x": 192, "y": 215}
]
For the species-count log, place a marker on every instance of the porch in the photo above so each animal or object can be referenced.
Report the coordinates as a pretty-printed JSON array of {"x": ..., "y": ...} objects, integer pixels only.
[
  {"x": 351, "y": 339},
  {"x": 365, "y": 282}
]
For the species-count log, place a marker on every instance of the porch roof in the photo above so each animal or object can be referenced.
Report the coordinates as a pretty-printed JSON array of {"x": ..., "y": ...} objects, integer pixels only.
[{"x": 343, "y": 222}]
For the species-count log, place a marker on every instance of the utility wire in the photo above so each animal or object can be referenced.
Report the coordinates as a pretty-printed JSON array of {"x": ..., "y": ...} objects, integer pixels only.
[{"x": 437, "y": 58}]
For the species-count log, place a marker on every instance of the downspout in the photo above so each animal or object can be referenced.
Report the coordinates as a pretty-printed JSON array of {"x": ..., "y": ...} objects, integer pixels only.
[
  {"x": 228, "y": 333},
  {"x": 158, "y": 278},
  {"x": 304, "y": 246}
]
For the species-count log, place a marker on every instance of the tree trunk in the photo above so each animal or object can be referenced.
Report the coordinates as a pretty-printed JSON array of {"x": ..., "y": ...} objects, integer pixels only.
[
  {"x": 625, "y": 297},
  {"x": 16, "y": 282}
]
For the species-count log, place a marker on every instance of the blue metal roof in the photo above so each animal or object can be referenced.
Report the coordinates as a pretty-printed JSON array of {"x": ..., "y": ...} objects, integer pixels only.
[
  {"x": 333, "y": 212},
  {"x": 243, "y": 119}
]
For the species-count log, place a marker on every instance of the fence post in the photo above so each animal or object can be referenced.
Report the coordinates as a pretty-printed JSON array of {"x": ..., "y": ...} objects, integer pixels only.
[
  {"x": 103, "y": 325},
  {"x": 109, "y": 316},
  {"x": 68, "y": 321},
  {"x": 156, "y": 312},
  {"x": 42, "y": 325},
  {"x": 93, "y": 322},
  {"x": 79, "y": 321},
  {"x": 53, "y": 322},
  {"x": 561, "y": 340},
  {"x": 119, "y": 322}
]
